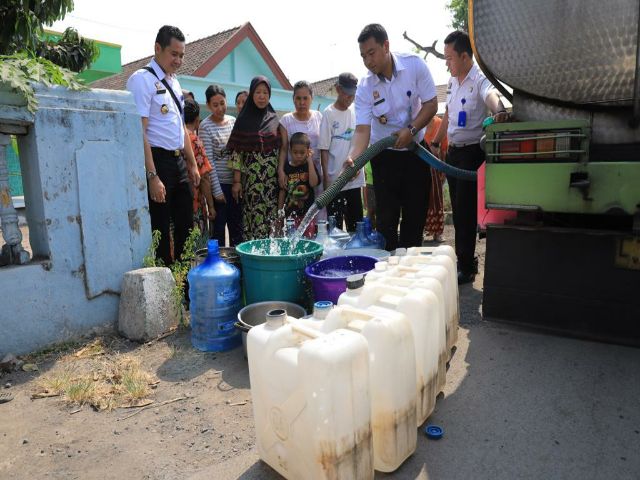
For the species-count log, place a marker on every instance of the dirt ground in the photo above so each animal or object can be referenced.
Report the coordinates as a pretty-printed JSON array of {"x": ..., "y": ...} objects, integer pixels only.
[{"x": 208, "y": 422}]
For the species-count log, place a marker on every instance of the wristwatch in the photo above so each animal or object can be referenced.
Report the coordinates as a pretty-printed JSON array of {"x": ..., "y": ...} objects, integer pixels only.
[
  {"x": 413, "y": 130},
  {"x": 150, "y": 175}
]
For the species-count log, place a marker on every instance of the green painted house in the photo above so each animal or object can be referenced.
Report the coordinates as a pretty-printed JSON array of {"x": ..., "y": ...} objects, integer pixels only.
[{"x": 107, "y": 64}]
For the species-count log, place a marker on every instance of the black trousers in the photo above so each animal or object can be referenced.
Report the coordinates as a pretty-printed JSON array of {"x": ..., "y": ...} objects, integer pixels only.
[
  {"x": 178, "y": 206},
  {"x": 347, "y": 207},
  {"x": 402, "y": 183},
  {"x": 464, "y": 203},
  {"x": 228, "y": 215}
]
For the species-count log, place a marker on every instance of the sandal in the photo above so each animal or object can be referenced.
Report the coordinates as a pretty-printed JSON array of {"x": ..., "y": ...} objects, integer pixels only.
[{"x": 6, "y": 397}]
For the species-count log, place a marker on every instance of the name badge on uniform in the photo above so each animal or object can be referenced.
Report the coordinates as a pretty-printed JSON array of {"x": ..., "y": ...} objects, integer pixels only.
[
  {"x": 164, "y": 109},
  {"x": 160, "y": 88},
  {"x": 462, "y": 115}
]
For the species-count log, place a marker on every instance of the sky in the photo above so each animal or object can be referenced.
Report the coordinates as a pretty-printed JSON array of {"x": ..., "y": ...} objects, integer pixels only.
[{"x": 309, "y": 40}]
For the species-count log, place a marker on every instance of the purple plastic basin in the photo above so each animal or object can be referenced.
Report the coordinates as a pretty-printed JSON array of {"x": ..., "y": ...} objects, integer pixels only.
[{"x": 329, "y": 276}]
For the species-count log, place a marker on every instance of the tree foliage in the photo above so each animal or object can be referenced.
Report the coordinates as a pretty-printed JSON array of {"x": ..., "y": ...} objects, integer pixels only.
[
  {"x": 26, "y": 58},
  {"x": 22, "y": 22},
  {"x": 72, "y": 51},
  {"x": 460, "y": 11},
  {"x": 18, "y": 71}
]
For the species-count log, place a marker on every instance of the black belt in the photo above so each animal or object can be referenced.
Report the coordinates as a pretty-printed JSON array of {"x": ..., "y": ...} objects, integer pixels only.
[
  {"x": 462, "y": 145},
  {"x": 173, "y": 153}
]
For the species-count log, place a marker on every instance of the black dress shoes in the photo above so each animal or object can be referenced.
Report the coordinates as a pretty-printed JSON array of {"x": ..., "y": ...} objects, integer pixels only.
[{"x": 466, "y": 277}]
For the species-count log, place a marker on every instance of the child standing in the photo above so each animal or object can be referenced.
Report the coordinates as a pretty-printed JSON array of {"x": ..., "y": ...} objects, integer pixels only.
[
  {"x": 336, "y": 132},
  {"x": 203, "y": 209},
  {"x": 301, "y": 177}
]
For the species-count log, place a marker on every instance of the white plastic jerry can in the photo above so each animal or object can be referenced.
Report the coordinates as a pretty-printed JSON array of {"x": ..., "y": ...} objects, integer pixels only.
[
  {"x": 433, "y": 285},
  {"x": 419, "y": 261},
  {"x": 425, "y": 268},
  {"x": 311, "y": 402},
  {"x": 447, "y": 250},
  {"x": 422, "y": 309},
  {"x": 392, "y": 374}
]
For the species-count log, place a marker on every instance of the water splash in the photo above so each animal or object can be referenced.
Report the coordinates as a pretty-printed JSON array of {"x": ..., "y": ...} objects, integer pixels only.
[{"x": 304, "y": 224}]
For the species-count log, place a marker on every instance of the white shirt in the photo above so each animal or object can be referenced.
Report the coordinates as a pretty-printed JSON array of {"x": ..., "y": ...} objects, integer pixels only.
[
  {"x": 164, "y": 130},
  {"x": 311, "y": 127},
  {"x": 336, "y": 133},
  {"x": 398, "y": 100},
  {"x": 474, "y": 89}
]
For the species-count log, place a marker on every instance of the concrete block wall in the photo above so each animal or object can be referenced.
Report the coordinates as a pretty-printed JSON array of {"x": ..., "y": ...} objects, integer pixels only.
[{"x": 86, "y": 205}]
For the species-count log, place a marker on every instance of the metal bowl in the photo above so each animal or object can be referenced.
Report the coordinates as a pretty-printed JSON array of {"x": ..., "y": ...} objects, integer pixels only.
[{"x": 255, "y": 314}]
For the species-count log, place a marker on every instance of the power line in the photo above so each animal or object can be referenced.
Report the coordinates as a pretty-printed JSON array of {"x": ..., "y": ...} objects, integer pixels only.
[{"x": 119, "y": 27}]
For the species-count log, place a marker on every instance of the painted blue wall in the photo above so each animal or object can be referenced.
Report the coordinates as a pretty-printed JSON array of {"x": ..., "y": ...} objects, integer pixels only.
[
  {"x": 234, "y": 73},
  {"x": 83, "y": 173},
  {"x": 224, "y": 71}
]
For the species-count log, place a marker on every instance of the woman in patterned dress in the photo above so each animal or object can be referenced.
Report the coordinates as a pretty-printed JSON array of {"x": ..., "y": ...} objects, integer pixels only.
[{"x": 256, "y": 144}]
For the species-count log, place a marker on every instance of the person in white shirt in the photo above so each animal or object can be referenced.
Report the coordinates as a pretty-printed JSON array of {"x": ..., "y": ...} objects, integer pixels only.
[
  {"x": 336, "y": 132},
  {"x": 469, "y": 96},
  {"x": 304, "y": 120},
  {"x": 160, "y": 103},
  {"x": 397, "y": 97},
  {"x": 214, "y": 132}
]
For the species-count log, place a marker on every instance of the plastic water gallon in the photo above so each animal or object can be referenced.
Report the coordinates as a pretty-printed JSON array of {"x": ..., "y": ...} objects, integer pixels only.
[
  {"x": 375, "y": 236},
  {"x": 329, "y": 245},
  {"x": 422, "y": 308},
  {"x": 438, "y": 267},
  {"x": 359, "y": 239},
  {"x": 214, "y": 291},
  {"x": 420, "y": 261},
  {"x": 392, "y": 378},
  {"x": 336, "y": 233},
  {"x": 435, "y": 286},
  {"x": 311, "y": 400}
]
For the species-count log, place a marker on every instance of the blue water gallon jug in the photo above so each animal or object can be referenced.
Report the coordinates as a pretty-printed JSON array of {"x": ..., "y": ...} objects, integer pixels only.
[
  {"x": 359, "y": 239},
  {"x": 375, "y": 236},
  {"x": 214, "y": 290}
]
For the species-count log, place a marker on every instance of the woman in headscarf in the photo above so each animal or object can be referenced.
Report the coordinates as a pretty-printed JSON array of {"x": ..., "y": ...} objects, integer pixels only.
[{"x": 256, "y": 144}]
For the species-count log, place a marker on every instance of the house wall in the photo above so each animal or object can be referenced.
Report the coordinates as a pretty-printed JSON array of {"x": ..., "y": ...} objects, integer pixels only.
[{"x": 87, "y": 211}]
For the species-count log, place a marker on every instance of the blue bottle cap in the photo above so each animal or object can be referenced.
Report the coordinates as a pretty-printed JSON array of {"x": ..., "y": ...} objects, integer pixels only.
[
  {"x": 323, "y": 304},
  {"x": 433, "y": 432}
]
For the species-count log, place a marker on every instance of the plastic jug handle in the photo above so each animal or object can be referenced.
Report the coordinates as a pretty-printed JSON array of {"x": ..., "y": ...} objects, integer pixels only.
[
  {"x": 404, "y": 268},
  {"x": 306, "y": 331}
]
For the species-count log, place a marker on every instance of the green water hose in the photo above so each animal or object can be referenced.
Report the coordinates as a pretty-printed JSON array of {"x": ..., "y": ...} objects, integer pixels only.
[{"x": 329, "y": 194}]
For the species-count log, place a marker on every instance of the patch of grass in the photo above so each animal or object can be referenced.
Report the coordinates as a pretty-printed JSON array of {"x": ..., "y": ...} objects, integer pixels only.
[
  {"x": 81, "y": 390},
  {"x": 132, "y": 381},
  {"x": 173, "y": 351},
  {"x": 56, "y": 382},
  {"x": 117, "y": 381}
]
